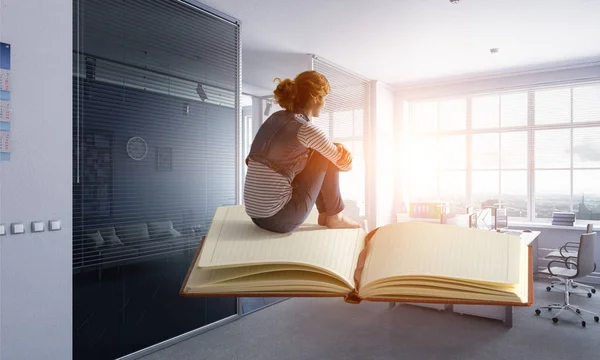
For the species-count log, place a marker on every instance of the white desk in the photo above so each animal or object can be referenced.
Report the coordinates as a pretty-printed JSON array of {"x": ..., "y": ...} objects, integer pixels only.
[
  {"x": 527, "y": 237},
  {"x": 502, "y": 313},
  {"x": 498, "y": 312}
]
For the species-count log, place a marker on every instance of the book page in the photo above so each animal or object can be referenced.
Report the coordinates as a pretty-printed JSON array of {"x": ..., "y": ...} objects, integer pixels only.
[
  {"x": 234, "y": 240},
  {"x": 228, "y": 274},
  {"x": 423, "y": 249},
  {"x": 209, "y": 281},
  {"x": 414, "y": 288}
]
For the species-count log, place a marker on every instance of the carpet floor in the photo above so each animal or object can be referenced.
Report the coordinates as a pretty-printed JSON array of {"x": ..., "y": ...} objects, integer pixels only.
[{"x": 313, "y": 328}]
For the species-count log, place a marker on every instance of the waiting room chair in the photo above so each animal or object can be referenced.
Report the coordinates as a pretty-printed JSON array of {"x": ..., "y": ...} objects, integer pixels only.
[
  {"x": 569, "y": 250},
  {"x": 574, "y": 268}
]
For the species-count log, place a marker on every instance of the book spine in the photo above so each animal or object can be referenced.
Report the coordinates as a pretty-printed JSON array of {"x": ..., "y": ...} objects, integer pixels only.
[
  {"x": 360, "y": 263},
  {"x": 352, "y": 297}
]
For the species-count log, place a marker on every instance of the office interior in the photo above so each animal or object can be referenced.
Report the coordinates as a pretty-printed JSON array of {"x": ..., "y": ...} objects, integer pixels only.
[{"x": 128, "y": 123}]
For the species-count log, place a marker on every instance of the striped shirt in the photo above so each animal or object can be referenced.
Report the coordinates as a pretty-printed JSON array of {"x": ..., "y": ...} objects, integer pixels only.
[{"x": 266, "y": 191}]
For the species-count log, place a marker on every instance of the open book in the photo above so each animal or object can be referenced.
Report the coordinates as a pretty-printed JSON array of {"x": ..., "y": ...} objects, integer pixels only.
[{"x": 404, "y": 262}]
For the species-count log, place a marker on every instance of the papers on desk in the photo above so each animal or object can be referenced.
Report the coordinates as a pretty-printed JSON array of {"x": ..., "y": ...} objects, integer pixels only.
[{"x": 512, "y": 232}]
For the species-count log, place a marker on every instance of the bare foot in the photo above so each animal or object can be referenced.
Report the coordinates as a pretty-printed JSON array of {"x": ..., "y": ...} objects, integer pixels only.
[
  {"x": 322, "y": 219},
  {"x": 339, "y": 221}
]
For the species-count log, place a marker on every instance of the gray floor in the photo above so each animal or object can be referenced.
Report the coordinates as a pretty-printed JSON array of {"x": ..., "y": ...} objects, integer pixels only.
[{"x": 331, "y": 329}]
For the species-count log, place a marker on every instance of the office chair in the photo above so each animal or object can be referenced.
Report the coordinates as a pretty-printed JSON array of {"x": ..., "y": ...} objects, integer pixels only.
[
  {"x": 574, "y": 268},
  {"x": 569, "y": 249}
]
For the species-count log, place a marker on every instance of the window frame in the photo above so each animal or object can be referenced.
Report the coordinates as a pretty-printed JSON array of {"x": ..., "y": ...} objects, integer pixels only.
[
  {"x": 361, "y": 201},
  {"x": 530, "y": 128}
]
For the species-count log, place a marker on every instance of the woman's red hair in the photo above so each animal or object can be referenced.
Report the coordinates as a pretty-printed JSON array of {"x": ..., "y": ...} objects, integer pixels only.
[{"x": 308, "y": 86}]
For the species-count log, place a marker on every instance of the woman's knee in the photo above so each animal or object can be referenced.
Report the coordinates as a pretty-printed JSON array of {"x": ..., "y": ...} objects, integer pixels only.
[{"x": 321, "y": 162}]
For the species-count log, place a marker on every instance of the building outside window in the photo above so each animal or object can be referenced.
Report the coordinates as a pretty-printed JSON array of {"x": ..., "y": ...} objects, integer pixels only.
[{"x": 535, "y": 151}]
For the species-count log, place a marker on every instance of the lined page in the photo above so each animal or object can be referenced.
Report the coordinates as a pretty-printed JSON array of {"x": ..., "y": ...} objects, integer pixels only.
[
  {"x": 200, "y": 282},
  {"x": 226, "y": 274},
  {"x": 415, "y": 248},
  {"x": 233, "y": 239}
]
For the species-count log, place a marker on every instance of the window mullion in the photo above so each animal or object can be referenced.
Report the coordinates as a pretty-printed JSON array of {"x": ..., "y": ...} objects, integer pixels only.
[
  {"x": 438, "y": 138},
  {"x": 500, "y": 149},
  {"x": 530, "y": 155},
  {"x": 469, "y": 148},
  {"x": 571, "y": 153}
]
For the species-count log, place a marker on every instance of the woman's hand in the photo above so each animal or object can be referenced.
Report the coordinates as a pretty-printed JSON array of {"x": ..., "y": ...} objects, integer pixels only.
[{"x": 346, "y": 159}]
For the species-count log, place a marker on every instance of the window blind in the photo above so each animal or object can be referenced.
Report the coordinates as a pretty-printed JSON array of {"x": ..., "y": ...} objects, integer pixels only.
[
  {"x": 535, "y": 151},
  {"x": 156, "y": 111},
  {"x": 345, "y": 118},
  {"x": 567, "y": 150}
]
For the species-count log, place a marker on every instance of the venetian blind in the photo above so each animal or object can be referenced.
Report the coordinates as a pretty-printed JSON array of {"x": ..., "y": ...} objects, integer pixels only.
[{"x": 155, "y": 111}]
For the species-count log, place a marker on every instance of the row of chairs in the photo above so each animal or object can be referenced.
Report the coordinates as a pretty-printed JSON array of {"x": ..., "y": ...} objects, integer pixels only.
[{"x": 576, "y": 261}]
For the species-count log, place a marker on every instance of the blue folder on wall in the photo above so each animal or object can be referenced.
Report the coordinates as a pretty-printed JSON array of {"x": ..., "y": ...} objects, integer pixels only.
[{"x": 4, "y": 56}]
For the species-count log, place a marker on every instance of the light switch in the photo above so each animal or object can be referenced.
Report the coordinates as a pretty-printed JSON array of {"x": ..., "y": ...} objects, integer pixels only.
[
  {"x": 54, "y": 225},
  {"x": 37, "y": 226},
  {"x": 17, "y": 228},
  {"x": 2, "y": 229}
]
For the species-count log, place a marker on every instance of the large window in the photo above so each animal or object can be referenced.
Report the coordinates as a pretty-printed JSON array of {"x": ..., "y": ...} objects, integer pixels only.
[
  {"x": 347, "y": 127},
  {"x": 535, "y": 151},
  {"x": 344, "y": 119}
]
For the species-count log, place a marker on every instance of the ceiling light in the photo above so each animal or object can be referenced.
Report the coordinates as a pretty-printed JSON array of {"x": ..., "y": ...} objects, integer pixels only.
[
  {"x": 454, "y": 1},
  {"x": 494, "y": 50}
]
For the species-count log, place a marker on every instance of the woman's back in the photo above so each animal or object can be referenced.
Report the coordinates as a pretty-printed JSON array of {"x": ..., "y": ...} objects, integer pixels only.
[{"x": 266, "y": 191}]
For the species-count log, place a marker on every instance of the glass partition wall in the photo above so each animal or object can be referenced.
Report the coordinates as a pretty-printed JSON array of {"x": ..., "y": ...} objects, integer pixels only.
[{"x": 156, "y": 87}]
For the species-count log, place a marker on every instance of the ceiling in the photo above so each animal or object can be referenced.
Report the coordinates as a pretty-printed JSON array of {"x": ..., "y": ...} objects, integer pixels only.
[{"x": 407, "y": 42}]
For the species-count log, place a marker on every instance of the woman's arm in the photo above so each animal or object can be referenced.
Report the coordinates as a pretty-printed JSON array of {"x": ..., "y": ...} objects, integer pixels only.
[{"x": 314, "y": 138}]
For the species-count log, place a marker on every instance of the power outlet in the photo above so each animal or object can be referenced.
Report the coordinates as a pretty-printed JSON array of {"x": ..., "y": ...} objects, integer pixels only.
[
  {"x": 37, "y": 226},
  {"x": 17, "y": 228},
  {"x": 54, "y": 225}
]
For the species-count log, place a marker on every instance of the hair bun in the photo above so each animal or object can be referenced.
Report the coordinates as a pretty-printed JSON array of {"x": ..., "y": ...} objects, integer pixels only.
[
  {"x": 285, "y": 93},
  {"x": 295, "y": 94}
]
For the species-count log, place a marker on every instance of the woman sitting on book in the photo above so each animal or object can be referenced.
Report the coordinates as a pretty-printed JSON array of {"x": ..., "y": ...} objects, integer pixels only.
[{"x": 292, "y": 164}]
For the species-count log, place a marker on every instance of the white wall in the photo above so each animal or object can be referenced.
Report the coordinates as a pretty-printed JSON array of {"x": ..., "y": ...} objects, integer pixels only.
[
  {"x": 259, "y": 68},
  {"x": 35, "y": 269},
  {"x": 257, "y": 115}
]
